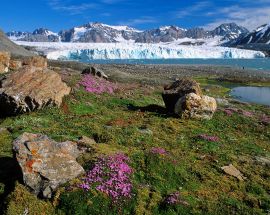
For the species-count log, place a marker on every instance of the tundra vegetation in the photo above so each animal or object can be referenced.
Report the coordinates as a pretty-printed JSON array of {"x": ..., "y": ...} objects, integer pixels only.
[{"x": 145, "y": 161}]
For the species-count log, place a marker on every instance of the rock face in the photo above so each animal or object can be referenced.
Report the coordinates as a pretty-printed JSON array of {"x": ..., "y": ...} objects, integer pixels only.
[
  {"x": 185, "y": 99},
  {"x": 173, "y": 92},
  {"x": 4, "y": 62},
  {"x": 46, "y": 164},
  {"x": 36, "y": 61},
  {"x": 31, "y": 89}
]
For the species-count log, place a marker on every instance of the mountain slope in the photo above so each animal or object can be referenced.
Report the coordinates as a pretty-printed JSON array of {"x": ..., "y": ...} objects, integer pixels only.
[
  {"x": 9, "y": 46},
  {"x": 229, "y": 31},
  {"x": 260, "y": 35}
]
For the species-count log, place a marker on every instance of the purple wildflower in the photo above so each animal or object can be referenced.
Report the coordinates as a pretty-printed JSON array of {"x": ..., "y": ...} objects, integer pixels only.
[
  {"x": 110, "y": 175},
  {"x": 158, "y": 150},
  {"x": 209, "y": 138},
  {"x": 174, "y": 199},
  {"x": 265, "y": 119},
  {"x": 247, "y": 113},
  {"x": 96, "y": 85},
  {"x": 230, "y": 111}
]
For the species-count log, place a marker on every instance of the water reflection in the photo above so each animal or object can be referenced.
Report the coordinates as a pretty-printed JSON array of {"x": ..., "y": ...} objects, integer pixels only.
[{"x": 259, "y": 95}]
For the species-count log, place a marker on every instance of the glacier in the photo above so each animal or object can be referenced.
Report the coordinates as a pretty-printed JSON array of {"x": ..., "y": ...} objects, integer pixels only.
[{"x": 131, "y": 50}]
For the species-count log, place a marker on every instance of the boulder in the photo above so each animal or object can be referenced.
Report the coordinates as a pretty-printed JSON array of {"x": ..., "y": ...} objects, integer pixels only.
[
  {"x": 231, "y": 170},
  {"x": 94, "y": 71},
  {"x": 35, "y": 61},
  {"x": 31, "y": 89},
  {"x": 173, "y": 92},
  {"x": 45, "y": 163},
  {"x": 15, "y": 65},
  {"x": 4, "y": 62},
  {"x": 193, "y": 106}
]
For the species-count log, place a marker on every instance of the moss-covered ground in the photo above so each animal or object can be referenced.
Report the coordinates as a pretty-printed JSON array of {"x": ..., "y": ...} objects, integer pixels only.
[{"x": 132, "y": 121}]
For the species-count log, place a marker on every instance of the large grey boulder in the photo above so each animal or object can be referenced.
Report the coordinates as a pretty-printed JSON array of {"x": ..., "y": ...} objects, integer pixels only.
[{"x": 45, "y": 163}]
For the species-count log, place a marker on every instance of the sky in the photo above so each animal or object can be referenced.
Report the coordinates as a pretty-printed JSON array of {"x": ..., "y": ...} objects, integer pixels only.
[{"x": 56, "y": 15}]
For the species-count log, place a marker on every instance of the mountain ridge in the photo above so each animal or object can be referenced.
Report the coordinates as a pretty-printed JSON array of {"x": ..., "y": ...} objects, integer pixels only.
[{"x": 95, "y": 32}]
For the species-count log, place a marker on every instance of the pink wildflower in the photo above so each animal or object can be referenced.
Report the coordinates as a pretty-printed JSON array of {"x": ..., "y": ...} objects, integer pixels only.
[
  {"x": 247, "y": 113},
  {"x": 209, "y": 138},
  {"x": 174, "y": 199},
  {"x": 110, "y": 175},
  {"x": 157, "y": 150},
  {"x": 96, "y": 85}
]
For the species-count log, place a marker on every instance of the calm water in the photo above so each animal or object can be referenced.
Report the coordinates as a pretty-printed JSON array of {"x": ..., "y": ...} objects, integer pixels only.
[
  {"x": 259, "y": 64},
  {"x": 258, "y": 95}
]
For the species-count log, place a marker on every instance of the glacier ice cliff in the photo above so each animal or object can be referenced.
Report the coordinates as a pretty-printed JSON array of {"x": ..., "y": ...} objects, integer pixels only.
[{"x": 96, "y": 51}]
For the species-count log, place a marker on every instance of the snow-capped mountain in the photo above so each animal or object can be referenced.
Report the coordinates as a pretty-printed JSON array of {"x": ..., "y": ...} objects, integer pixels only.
[
  {"x": 38, "y": 35},
  {"x": 17, "y": 35},
  {"x": 162, "y": 34},
  {"x": 229, "y": 31},
  {"x": 98, "y": 33},
  {"x": 260, "y": 35},
  {"x": 102, "y": 33}
]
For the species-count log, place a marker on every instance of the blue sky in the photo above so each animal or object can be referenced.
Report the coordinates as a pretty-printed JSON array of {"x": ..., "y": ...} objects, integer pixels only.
[{"x": 56, "y": 15}]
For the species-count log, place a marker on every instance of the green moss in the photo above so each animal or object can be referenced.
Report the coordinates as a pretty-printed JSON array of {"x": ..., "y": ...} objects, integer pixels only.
[{"x": 20, "y": 201}]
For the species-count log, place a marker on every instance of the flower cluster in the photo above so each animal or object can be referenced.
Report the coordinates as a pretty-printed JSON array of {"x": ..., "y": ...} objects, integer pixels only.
[
  {"x": 96, "y": 85},
  {"x": 247, "y": 113},
  {"x": 229, "y": 111},
  {"x": 265, "y": 119},
  {"x": 158, "y": 150},
  {"x": 110, "y": 175},
  {"x": 174, "y": 199},
  {"x": 209, "y": 138}
]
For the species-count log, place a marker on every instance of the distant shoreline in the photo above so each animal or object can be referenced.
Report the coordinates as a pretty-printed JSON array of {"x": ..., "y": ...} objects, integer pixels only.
[{"x": 160, "y": 74}]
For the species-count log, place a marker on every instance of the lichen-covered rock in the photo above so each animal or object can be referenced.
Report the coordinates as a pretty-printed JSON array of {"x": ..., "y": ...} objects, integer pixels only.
[
  {"x": 231, "y": 170},
  {"x": 31, "y": 89},
  {"x": 193, "y": 106},
  {"x": 35, "y": 61},
  {"x": 4, "y": 62},
  {"x": 46, "y": 164},
  {"x": 173, "y": 92}
]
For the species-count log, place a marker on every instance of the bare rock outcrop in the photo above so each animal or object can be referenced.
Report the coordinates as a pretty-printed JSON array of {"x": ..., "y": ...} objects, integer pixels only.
[
  {"x": 35, "y": 61},
  {"x": 31, "y": 89}
]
